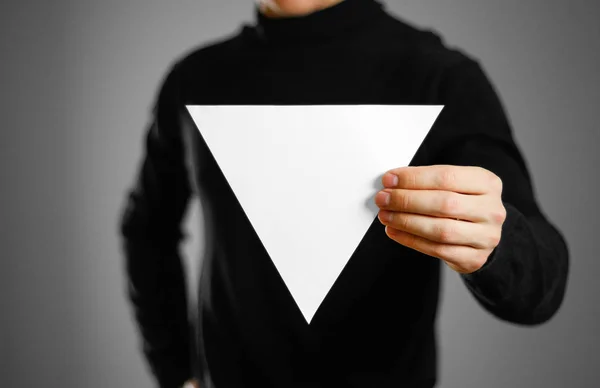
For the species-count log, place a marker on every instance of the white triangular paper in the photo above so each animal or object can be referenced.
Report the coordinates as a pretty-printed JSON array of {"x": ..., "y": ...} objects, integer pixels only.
[{"x": 306, "y": 177}]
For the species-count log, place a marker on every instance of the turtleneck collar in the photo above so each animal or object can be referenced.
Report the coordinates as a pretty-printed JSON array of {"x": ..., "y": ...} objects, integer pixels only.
[{"x": 323, "y": 24}]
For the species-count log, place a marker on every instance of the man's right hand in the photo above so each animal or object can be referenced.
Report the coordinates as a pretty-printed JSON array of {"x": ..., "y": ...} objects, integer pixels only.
[{"x": 191, "y": 384}]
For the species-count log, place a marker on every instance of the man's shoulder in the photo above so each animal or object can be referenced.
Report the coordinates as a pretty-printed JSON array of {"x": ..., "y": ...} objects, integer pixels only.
[
  {"x": 215, "y": 52},
  {"x": 425, "y": 46},
  {"x": 203, "y": 62}
]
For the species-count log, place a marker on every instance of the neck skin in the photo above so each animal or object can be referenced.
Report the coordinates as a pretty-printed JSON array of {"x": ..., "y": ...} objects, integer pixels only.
[
  {"x": 335, "y": 21},
  {"x": 270, "y": 9}
]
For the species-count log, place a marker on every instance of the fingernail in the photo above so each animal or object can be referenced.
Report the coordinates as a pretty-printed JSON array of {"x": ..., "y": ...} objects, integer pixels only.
[
  {"x": 385, "y": 215},
  {"x": 382, "y": 198},
  {"x": 390, "y": 180}
]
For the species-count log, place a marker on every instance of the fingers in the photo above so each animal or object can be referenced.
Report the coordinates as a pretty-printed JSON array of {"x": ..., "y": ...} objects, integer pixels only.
[
  {"x": 435, "y": 203},
  {"x": 461, "y": 258},
  {"x": 441, "y": 230},
  {"x": 191, "y": 384},
  {"x": 460, "y": 179},
  {"x": 453, "y": 213}
]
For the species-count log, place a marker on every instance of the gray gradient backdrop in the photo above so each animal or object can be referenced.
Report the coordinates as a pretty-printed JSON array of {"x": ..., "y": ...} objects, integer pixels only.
[{"x": 76, "y": 85}]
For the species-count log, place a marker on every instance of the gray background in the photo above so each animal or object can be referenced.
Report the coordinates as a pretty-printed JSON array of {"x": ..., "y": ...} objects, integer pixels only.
[{"x": 76, "y": 85}]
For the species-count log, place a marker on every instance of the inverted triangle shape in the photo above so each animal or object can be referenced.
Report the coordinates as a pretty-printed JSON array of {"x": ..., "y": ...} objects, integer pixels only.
[{"x": 306, "y": 177}]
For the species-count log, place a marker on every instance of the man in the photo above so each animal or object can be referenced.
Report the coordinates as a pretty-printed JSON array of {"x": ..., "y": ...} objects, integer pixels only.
[{"x": 466, "y": 201}]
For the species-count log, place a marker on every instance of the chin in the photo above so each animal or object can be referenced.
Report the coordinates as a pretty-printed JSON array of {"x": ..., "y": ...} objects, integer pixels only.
[{"x": 297, "y": 7}]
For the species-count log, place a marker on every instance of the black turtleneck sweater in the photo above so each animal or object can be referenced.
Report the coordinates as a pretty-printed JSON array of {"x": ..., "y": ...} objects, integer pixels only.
[{"x": 375, "y": 328}]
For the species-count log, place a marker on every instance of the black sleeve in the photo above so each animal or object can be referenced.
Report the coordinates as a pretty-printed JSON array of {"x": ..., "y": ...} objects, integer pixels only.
[
  {"x": 524, "y": 279},
  {"x": 151, "y": 234}
]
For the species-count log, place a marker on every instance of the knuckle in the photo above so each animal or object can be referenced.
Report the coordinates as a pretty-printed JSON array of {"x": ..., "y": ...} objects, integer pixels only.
[
  {"x": 476, "y": 262},
  {"x": 497, "y": 183},
  {"x": 494, "y": 239},
  {"x": 440, "y": 250},
  {"x": 406, "y": 179},
  {"x": 444, "y": 233},
  {"x": 450, "y": 204},
  {"x": 482, "y": 170},
  {"x": 473, "y": 265},
  {"x": 480, "y": 260},
  {"x": 403, "y": 200},
  {"x": 403, "y": 222},
  {"x": 499, "y": 216},
  {"x": 447, "y": 177},
  {"x": 410, "y": 240}
]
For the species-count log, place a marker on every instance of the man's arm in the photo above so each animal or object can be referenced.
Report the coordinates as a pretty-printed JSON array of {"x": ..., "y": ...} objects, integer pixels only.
[
  {"x": 524, "y": 279},
  {"x": 151, "y": 231}
]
